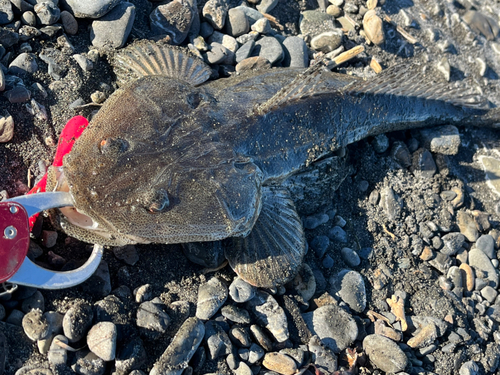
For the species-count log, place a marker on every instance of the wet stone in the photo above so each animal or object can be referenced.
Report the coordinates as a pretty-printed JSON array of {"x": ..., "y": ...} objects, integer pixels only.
[
  {"x": 211, "y": 296},
  {"x": 152, "y": 318},
  {"x": 452, "y": 243},
  {"x": 337, "y": 234},
  {"x": 235, "y": 314},
  {"x": 77, "y": 321},
  {"x": 333, "y": 325},
  {"x": 486, "y": 244},
  {"x": 350, "y": 257},
  {"x": 217, "y": 340},
  {"x": 237, "y": 23},
  {"x": 35, "y": 325},
  {"x": 320, "y": 244},
  {"x": 270, "y": 49},
  {"x": 280, "y": 363},
  {"x": 113, "y": 29},
  {"x": 182, "y": 348},
  {"x": 384, "y": 353},
  {"x": 269, "y": 314},
  {"x": 322, "y": 357},
  {"x": 241, "y": 291}
]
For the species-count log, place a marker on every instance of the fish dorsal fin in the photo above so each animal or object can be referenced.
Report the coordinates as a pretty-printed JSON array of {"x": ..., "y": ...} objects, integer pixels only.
[
  {"x": 149, "y": 58},
  {"x": 301, "y": 86},
  {"x": 404, "y": 81},
  {"x": 273, "y": 251}
]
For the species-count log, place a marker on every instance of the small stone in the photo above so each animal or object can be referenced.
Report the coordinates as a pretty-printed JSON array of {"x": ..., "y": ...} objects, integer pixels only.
[
  {"x": 8, "y": 38},
  {"x": 262, "y": 26},
  {"x": 24, "y": 63},
  {"x": 427, "y": 254},
  {"x": 127, "y": 253},
  {"x": 6, "y": 128},
  {"x": 36, "y": 301},
  {"x": 468, "y": 276},
  {"x": 266, "y": 6},
  {"x": 489, "y": 293},
  {"x": 444, "y": 67},
  {"x": 91, "y": 8},
  {"x": 77, "y": 321},
  {"x": 320, "y": 244},
  {"x": 401, "y": 154},
  {"x": 323, "y": 357},
  {"x": 333, "y": 325},
  {"x": 373, "y": 27},
  {"x": 269, "y": 314},
  {"x": 469, "y": 368},
  {"x": 280, "y": 363},
  {"x": 467, "y": 226},
  {"x": 486, "y": 244},
  {"x": 98, "y": 97},
  {"x": 315, "y": 22},
  {"x": 35, "y": 325},
  {"x": 334, "y": 11},
  {"x": 131, "y": 356},
  {"x": 28, "y": 18},
  {"x": 240, "y": 337},
  {"x": 337, "y": 234},
  {"x": 327, "y": 41},
  {"x": 350, "y": 257},
  {"x": 87, "y": 363},
  {"x": 237, "y": 22},
  {"x": 47, "y": 13},
  {"x": 261, "y": 337},
  {"x": 253, "y": 63},
  {"x": 152, "y": 318},
  {"x": 390, "y": 203},
  {"x": 85, "y": 64},
  {"x": 226, "y": 40},
  {"x": 314, "y": 221},
  {"x": 69, "y": 23},
  {"x": 215, "y": 12},
  {"x": 143, "y": 293},
  {"x": 384, "y": 353},
  {"x": 443, "y": 140},
  {"x": 217, "y": 340},
  {"x": 101, "y": 340},
  {"x": 218, "y": 54},
  {"x": 351, "y": 288},
  {"x": 244, "y": 51},
  {"x": 296, "y": 52},
  {"x": 211, "y": 296},
  {"x": 235, "y": 314},
  {"x": 240, "y": 291},
  {"x": 15, "y": 317},
  {"x": 57, "y": 354},
  {"x": 113, "y": 29},
  {"x": 269, "y": 48},
  {"x": 452, "y": 243},
  {"x": 304, "y": 283},
  {"x": 424, "y": 163},
  {"x": 380, "y": 143},
  {"x": 252, "y": 14},
  {"x": 6, "y": 12}
]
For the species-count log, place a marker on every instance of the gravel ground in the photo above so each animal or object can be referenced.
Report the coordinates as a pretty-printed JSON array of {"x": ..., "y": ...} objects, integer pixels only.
[{"x": 402, "y": 268}]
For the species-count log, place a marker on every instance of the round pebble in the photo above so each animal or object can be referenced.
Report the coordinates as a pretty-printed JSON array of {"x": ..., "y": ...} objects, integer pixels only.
[
  {"x": 101, "y": 340},
  {"x": 327, "y": 41},
  {"x": 296, "y": 52},
  {"x": 24, "y": 63},
  {"x": 241, "y": 291},
  {"x": 384, "y": 353},
  {"x": 270, "y": 49},
  {"x": 314, "y": 221},
  {"x": 77, "y": 321},
  {"x": 350, "y": 257},
  {"x": 350, "y": 286},
  {"x": 280, "y": 363},
  {"x": 373, "y": 27},
  {"x": 218, "y": 342},
  {"x": 69, "y": 23},
  {"x": 35, "y": 325},
  {"x": 211, "y": 296},
  {"x": 337, "y": 234}
]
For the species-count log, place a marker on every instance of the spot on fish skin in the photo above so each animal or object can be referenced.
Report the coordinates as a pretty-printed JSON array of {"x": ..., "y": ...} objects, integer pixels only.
[
  {"x": 109, "y": 146},
  {"x": 159, "y": 202}
]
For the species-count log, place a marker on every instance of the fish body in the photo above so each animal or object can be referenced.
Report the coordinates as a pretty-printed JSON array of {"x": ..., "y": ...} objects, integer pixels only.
[{"x": 164, "y": 161}]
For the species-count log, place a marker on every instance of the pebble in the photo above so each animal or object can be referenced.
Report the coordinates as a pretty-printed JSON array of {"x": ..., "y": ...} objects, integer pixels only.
[
  {"x": 181, "y": 349},
  {"x": 77, "y": 321},
  {"x": 252, "y": 14},
  {"x": 235, "y": 314},
  {"x": 390, "y": 203},
  {"x": 269, "y": 314},
  {"x": 244, "y": 51},
  {"x": 469, "y": 368},
  {"x": 69, "y": 23},
  {"x": 380, "y": 143},
  {"x": 467, "y": 226},
  {"x": 327, "y": 41},
  {"x": 91, "y": 8},
  {"x": 320, "y": 244},
  {"x": 6, "y": 13},
  {"x": 47, "y": 13},
  {"x": 131, "y": 356},
  {"x": 152, "y": 318},
  {"x": 173, "y": 19},
  {"x": 226, "y": 40},
  {"x": 101, "y": 340},
  {"x": 333, "y": 325},
  {"x": 57, "y": 354},
  {"x": 296, "y": 52},
  {"x": 143, "y": 293},
  {"x": 35, "y": 325},
  {"x": 241, "y": 291},
  {"x": 452, "y": 243},
  {"x": 261, "y": 337},
  {"x": 443, "y": 140},
  {"x": 8, "y": 38},
  {"x": 240, "y": 337},
  {"x": 15, "y": 318},
  {"x": 350, "y": 286},
  {"x": 314, "y": 221},
  {"x": 337, "y": 234},
  {"x": 86, "y": 65},
  {"x": 384, "y": 353},
  {"x": 489, "y": 293},
  {"x": 2, "y": 80},
  {"x": 468, "y": 276},
  {"x": 269, "y": 48},
  {"x": 486, "y": 244},
  {"x": 36, "y": 301},
  {"x": 328, "y": 262},
  {"x": 322, "y": 357},
  {"x": 211, "y": 296},
  {"x": 87, "y": 363},
  {"x": 424, "y": 163},
  {"x": 6, "y": 128},
  {"x": 262, "y": 26},
  {"x": 280, "y": 363},
  {"x": 304, "y": 283},
  {"x": 334, "y": 11},
  {"x": 401, "y": 154},
  {"x": 237, "y": 22},
  {"x": 266, "y": 6},
  {"x": 253, "y": 63},
  {"x": 218, "y": 54},
  {"x": 215, "y": 12},
  {"x": 218, "y": 342},
  {"x": 350, "y": 257},
  {"x": 28, "y": 18},
  {"x": 113, "y": 29},
  {"x": 24, "y": 63}
]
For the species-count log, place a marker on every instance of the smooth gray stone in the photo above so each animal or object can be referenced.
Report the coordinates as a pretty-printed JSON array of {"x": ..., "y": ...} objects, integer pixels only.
[
  {"x": 77, "y": 321},
  {"x": 113, "y": 29},
  {"x": 173, "y": 19},
  {"x": 211, "y": 296},
  {"x": 245, "y": 51},
  {"x": 6, "y": 12},
  {"x": 384, "y": 353},
  {"x": 296, "y": 53},
  {"x": 91, "y": 8},
  {"x": 479, "y": 260},
  {"x": 486, "y": 244},
  {"x": 269, "y": 48},
  {"x": 23, "y": 64},
  {"x": 237, "y": 22},
  {"x": 269, "y": 314},
  {"x": 350, "y": 286}
]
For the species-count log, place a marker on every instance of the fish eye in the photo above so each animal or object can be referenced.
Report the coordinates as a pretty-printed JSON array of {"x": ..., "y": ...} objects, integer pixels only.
[
  {"x": 113, "y": 145},
  {"x": 159, "y": 202}
]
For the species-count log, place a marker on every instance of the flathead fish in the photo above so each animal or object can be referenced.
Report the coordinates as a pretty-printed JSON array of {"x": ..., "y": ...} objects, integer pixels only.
[{"x": 171, "y": 158}]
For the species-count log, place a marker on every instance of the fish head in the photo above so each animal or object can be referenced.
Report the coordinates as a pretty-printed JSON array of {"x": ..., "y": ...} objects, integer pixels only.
[{"x": 146, "y": 170}]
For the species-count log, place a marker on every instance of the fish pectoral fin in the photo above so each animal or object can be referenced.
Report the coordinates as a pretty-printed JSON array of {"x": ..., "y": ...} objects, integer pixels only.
[
  {"x": 273, "y": 251},
  {"x": 150, "y": 59},
  {"x": 410, "y": 82}
]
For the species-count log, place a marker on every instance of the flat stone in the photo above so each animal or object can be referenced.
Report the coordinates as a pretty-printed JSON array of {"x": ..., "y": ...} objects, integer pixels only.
[
  {"x": 211, "y": 296},
  {"x": 327, "y": 41},
  {"x": 237, "y": 22},
  {"x": 113, "y": 29},
  {"x": 253, "y": 63},
  {"x": 173, "y": 19},
  {"x": 350, "y": 286},
  {"x": 23, "y": 63},
  {"x": 91, "y": 8},
  {"x": 241, "y": 291},
  {"x": 296, "y": 52},
  {"x": 262, "y": 26},
  {"x": 152, "y": 318},
  {"x": 270, "y": 49},
  {"x": 467, "y": 226},
  {"x": 385, "y": 354},
  {"x": 70, "y": 24},
  {"x": 323, "y": 357},
  {"x": 333, "y": 325},
  {"x": 452, "y": 243},
  {"x": 101, "y": 340},
  {"x": 269, "y": 314},
  {"x": 35, "y": 325},
  {"x": 244, "y": 51},
  {"x": 265, "y": 6},
  {"x": 486, "y": 244}
]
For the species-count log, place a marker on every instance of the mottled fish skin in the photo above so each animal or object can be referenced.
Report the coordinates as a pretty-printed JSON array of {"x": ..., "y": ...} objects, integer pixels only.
[{"x": 166, "y": 162}]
